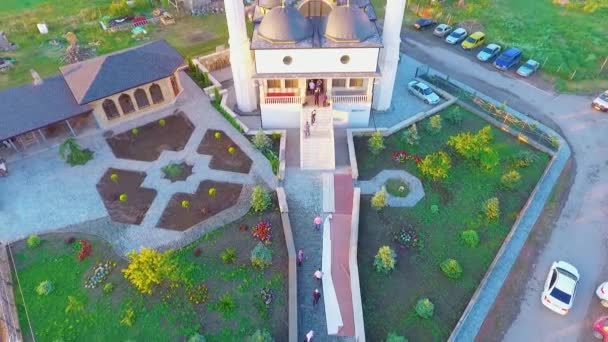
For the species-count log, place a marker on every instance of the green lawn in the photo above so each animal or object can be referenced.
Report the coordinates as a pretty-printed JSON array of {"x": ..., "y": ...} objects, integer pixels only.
[
  {"x": 167, "y": 315},
  {"x": 388, "y": 300},
  {"x": 190, "y": 35}
]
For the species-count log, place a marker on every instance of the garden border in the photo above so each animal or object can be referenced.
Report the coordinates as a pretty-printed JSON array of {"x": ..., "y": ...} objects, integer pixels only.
[
  {"x": 473, "y": 316},
  {"x": 8, "y": 304},
  {"x": 353, "y": 265}
]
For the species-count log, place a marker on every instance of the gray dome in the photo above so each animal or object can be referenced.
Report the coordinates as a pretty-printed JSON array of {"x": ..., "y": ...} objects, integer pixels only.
[
  {"x": 284, "y": 25},
  {"x": 348, "y": 24},
  {"x": 269, "y": 3}
]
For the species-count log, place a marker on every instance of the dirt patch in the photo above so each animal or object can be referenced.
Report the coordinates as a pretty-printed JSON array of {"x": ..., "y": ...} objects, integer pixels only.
[
  {"x": 135, "y": 204},
  {"x": 146, "y": 142},
  {"x": 177, "y": 172},
  {"x": 200, "y": 205},
  {"x": 218, "y": 145},
  {"x": 471, "y": 26},
  {"x": 199, "y": 36}
]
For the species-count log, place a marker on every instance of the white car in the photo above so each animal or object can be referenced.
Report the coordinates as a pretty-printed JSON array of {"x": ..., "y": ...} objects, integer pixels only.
[
  {"x": 423, "y": 91},
  {"x": 456, "y": 36},
  {"x": 488, "y": 52},
  {"x": 560, "y": 287},
  {"x": 601, "y": 102},
  {"x": 602, "y": 294},
  {"x": 442, "y": 30}
]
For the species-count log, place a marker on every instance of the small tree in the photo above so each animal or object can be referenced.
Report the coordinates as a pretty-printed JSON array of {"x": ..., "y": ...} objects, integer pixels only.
[
  {"x": 469, "y": 237},
  {"x": 454, "y": 117},
  {"x": 469, "y": 145},
  {"x": 434, "y": 125},
  {"x": 73, "y": 154},
  {"x": 228, "y": 255},
  {"x": 436, "y": 165},
  {"x": 424, "y": 308},
  {"x": 261, "y": 256},
  {"x": 385, "y": 260},
  {"x": 217, "y": 98},
  {"x": 451, "y": 268},
  {"x": 376, "y": 143},
  {"x": 148, "y": 268},
  {"x": 410, "y": 136},
  {"x": 33, "y": 241},
  {"x": 393, "y": 337},
  {"x": 260, "y": 336},
  {"x": 510, "y": 179},
  {"x": 44, "y": 288},
  {"x": 119, "y": 8},
  {"x": 488, "y": 158},
  {"x": 261, "y": 141},
  {"x": 260, "y": 199},
  {"x": 491, "y": 208},
  {"x": 379, "y": 200}
]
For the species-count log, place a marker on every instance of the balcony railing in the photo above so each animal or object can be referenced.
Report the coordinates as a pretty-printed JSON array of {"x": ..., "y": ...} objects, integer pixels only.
[
  {"x": 349, "y": 99},
  {"x": 283, "y": 100}
]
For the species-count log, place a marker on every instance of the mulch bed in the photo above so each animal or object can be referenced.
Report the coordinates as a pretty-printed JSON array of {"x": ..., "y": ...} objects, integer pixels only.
[
  {"x": 221, "y": 158},
  {"x": 201, "y": 205},
  {"x": 133, "y": 210},
  {"x": 152, "y": 139}
]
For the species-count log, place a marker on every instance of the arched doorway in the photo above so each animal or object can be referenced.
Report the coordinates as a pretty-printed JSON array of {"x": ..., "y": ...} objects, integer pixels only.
[
  {"x": 315, "y": 8},
  {"x": 156, "y": 93},
  {"x": 141, "y": 98},
  {"x": 109, "y": 107},
  {"x": 126, "y": 104}
]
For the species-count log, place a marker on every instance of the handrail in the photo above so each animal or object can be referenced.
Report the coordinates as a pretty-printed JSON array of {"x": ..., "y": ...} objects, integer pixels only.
[
  {"x": 283, "y": 99},
  {"x": 349, "y": 98}
]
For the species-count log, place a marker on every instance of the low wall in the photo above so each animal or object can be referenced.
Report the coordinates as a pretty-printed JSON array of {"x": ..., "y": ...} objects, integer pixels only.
[
  {"x": 354, "y": 269},
  {"x": 292, "y": 270},
  {"x": 10, "y": 319}
]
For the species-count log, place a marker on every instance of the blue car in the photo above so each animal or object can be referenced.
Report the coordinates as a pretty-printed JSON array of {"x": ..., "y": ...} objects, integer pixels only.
[{"x": 508, "y": 59}]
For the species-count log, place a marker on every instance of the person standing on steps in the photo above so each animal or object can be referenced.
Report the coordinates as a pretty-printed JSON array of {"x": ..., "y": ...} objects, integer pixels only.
[
  {"x": 311, "y": 87},
  {"x": 300, "y": 257},
  {"x": 317, "y": 94},
  {"x": 317, "y": 221},
  {"x": 313, "y": 116},
  {"x": 316, "y": 295},
  {"x": 318, "y": 275},
  {"x": 307, "y": 130}
]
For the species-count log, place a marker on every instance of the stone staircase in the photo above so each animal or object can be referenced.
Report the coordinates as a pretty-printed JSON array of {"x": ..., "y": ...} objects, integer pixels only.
[{"x": 317, "y": 152}]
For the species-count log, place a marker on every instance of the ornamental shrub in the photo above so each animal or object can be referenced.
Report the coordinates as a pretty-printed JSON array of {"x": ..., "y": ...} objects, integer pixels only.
[
  {"x": 198, "y": 294},
  {"x": 471, "y": 145},
  {"x": 510, "y": 179},
  {"x": 379, "y": 200},
  {"x": 410, "y": 136},
  {"x": 228, "y": 255},
  {"x": 217, "y": 98},
  {"x": 119, "y": 8},
  {"x": 434, "y": 125},
  {"x": 261, "y": 256},
  {"x": 434, "y": 208},
  {"x": 385, "y": 260},
  {"x": 162, "y": 122},
  {"x": 33, "y": 241},
  {"x": 469, "y": 237},
  {"x": 436, "y": 165},
  {"x": 44, "y": 288},
  {"x": 376, "y": 143},
  {"x": 488, "y": 158},
  {"x": 172, "y": 170},
  {"x": 260, "y": 199},
  {"x": 108, "y": 288},
  {"x": 260, "y": 336},
  {"x": 148, "y": 268},
  {"x": 212, "y": 192},
  {"x": 491, "y": 208},
  {"x": 424, "y": 308},
  {"x": 454, "y": 117},
  {"x": 114, "y": 177},
  {"x": 225, "y": 305},
  {"x": 217, "y": 135},
  {"x": 185, "y": 204},
  {"x": 451, "y": 268},
  {"x": 524, "y": 159},
  {"x": 197, "y": 338},
  {"x": 231, "y": 149},
  {"x": 73, "y": 154},
  {"x": 74, "y": 305},
  {"x": 261, "y": 141},
  {"x": 128, "y": 317},
  {"x": 135, "y": 131},
  {"x": 263, "y": 232},
  {"x": 122, "y": 197}
]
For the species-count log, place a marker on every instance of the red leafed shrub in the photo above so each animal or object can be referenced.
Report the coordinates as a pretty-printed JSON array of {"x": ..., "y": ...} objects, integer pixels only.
[
  {"x": 262, "y": 231},
  {"x": 401, "y": 156},
  {"x": 85, "y": 250}
]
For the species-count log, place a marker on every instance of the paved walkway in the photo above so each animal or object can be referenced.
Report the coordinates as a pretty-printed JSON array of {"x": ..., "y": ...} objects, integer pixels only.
[{"x": 370, "y": 187}]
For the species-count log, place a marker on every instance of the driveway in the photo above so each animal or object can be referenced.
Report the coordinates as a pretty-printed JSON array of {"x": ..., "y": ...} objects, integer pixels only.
[{"x": 579, "y": 234}]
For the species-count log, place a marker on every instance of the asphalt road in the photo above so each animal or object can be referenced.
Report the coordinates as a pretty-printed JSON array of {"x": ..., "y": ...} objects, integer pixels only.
[{"x": 580, "y": 233}]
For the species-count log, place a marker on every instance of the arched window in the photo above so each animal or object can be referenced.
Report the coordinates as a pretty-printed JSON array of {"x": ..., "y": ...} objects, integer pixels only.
[
  {"x": 156, "y": 93},
  {"x": 126, "y": 104},
  {"x": 109, "y": 107},
  {"x": 141, "y": 98}
]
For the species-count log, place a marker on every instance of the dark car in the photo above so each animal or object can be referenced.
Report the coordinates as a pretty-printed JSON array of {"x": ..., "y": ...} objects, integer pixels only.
[
  {"x": 508, "y": 59},
  {"x": 424, "y": 23}
]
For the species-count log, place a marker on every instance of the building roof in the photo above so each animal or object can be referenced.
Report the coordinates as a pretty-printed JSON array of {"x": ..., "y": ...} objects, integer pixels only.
[
  {"x": 285, "y": 25},
  {"x": 106, "y": 75},
  {"x": 30, "y": 106},
  {"x": 348, "y": 24}
]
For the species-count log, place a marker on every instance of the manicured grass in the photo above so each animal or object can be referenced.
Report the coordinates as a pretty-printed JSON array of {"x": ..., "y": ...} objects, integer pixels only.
[
  {"x": 167, "y": 315},
  {"x": 388, "y": 301}
]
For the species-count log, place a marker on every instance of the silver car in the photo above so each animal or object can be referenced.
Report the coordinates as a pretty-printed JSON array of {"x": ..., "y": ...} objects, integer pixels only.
[
  {"x": 489, "y": 52},
  {"x": 423, "y": 91},
  {"x": 601, "y": 102},
  {"x": 528, "y": 68},
  {"x": 456, "y": 36},
  {"x": 442, "y": 30}
]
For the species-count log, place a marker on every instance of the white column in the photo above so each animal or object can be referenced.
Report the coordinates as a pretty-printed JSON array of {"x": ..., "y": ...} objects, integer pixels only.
[
  {"x": 389, "y": 55},
  {"x": 241, "y": 61}
]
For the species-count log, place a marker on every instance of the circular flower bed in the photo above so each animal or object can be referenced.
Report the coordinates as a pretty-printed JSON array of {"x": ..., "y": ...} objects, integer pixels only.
[{"x": 101, "y": 272}]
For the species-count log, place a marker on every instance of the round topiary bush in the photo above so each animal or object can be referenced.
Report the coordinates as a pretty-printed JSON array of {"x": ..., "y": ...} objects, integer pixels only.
[
  {"x": 379, "y": 200},
  {"x": 424, "y": 308},
  {"x": 491, "y": 208},
  {"x": 510, "y": 180},
  {"x": 33, "y": 241},
  {"x": 44, "y": 288},
  {"x": 451, "y": 268},
  {"x": 469, "y": 237}
]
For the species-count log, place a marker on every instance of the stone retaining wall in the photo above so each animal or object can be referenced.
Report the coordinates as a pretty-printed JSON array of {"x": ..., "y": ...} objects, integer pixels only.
[{"x": 293, "y": 272}]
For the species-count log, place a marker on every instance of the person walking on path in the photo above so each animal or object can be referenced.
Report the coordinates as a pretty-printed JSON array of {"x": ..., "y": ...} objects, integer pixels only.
[
  {"x": 307, "y": 130},
  {"x": 309, "y": 336},
  {"x": 316, "y": 295},
  {"x": 317, "y": 221},
  {"x": 300, "y": 257},
  {"x": 313, "y": 116},
  {"x": 311, "y": 87},
  {"x": 318, "y": 275}
]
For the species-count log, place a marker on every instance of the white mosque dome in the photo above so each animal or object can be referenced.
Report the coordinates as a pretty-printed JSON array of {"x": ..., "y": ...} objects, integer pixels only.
[
  {"x": 285, "y": 24},
  {"x": 348, "y": 24}
]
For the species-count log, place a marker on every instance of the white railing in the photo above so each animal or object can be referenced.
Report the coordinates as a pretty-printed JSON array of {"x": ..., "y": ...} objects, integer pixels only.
[
  {"x": 283, "y": 100},
  {"x": 349, "y": 98}
]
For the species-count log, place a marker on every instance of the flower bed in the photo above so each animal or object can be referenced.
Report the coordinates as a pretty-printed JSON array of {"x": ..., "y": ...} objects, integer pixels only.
[{"x": 218, "y": 145}]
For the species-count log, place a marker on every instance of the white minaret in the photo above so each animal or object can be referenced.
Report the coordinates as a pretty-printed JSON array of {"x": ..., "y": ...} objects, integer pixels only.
[
  {"x": 389, "y": 55},
  {"x": 241, "y": 62}
]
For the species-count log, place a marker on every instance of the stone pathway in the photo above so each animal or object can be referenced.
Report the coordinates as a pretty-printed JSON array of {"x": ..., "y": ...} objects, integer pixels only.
[{"x": 416, "y": 193}]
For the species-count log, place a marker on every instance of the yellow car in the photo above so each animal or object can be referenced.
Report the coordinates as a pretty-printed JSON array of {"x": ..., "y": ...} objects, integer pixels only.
[{"x": 474, "y": 40}]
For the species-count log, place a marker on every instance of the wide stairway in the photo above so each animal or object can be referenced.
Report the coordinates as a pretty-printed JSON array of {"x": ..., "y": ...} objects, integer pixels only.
[{"x": 317, "y": 152}]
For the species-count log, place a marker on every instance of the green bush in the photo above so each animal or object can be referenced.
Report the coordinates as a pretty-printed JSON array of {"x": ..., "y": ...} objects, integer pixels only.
[
  {"x": 385, "y": 260},
  {"x": 260, "y": 336},
  {"x": 74, "y": 305},
  {"x": 261, "y": 141},
  {"x": 225, "y": 305},
  {"x": 73, "y": 154},
  {"x": 393, "y": 337},
  {"x": 397, "y": 187},
  {"x": 33, "y": 241},
  {"x": 434, "y": 208},
  {"x": 491, "y": 208},
  {"x": 274, "y": 160},
  {"x": 232, "y": 121},
  {"x": 228, "y": 255},
  {"x": 469, "y": 237},
  {"x": 376, "y": 143},
  {"x": 261, "y": 256},
  {"x": 44, "y": 288},
  {"x": 510, "y": 179},
  {"x": 425, "y": 308},
  {"x": 197, "y": 338},
  {"x": 436, "y": 165},
  {"x": 172, "y": 170},
  {"x": 524, "y": 159},
  {"x": 488, "y": 158},
  {"x": 119, "y": 8},
  {"x": 108, "y": 288},
  {"x": 217, "y": 98},
  {"x": 451, "y": 268},
  {"x": 454, "y": 117},
  {"x": 434, "y": 125},
  {"x": 379, "y": 200},
  {"x": 410, "y": 136},
  {"x": 471, "y": 145},
  {"x": 128, "y": 317},
  {"x": 260, "y": 199}
]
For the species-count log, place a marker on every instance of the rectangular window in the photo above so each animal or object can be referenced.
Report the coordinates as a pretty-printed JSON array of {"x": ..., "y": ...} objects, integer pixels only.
[
  {"x": 338, "y": 83},
  {"x": 356, "y": 83},
  {"x": 273, "y": 83},
  {"x": 291, "y": 84}
]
